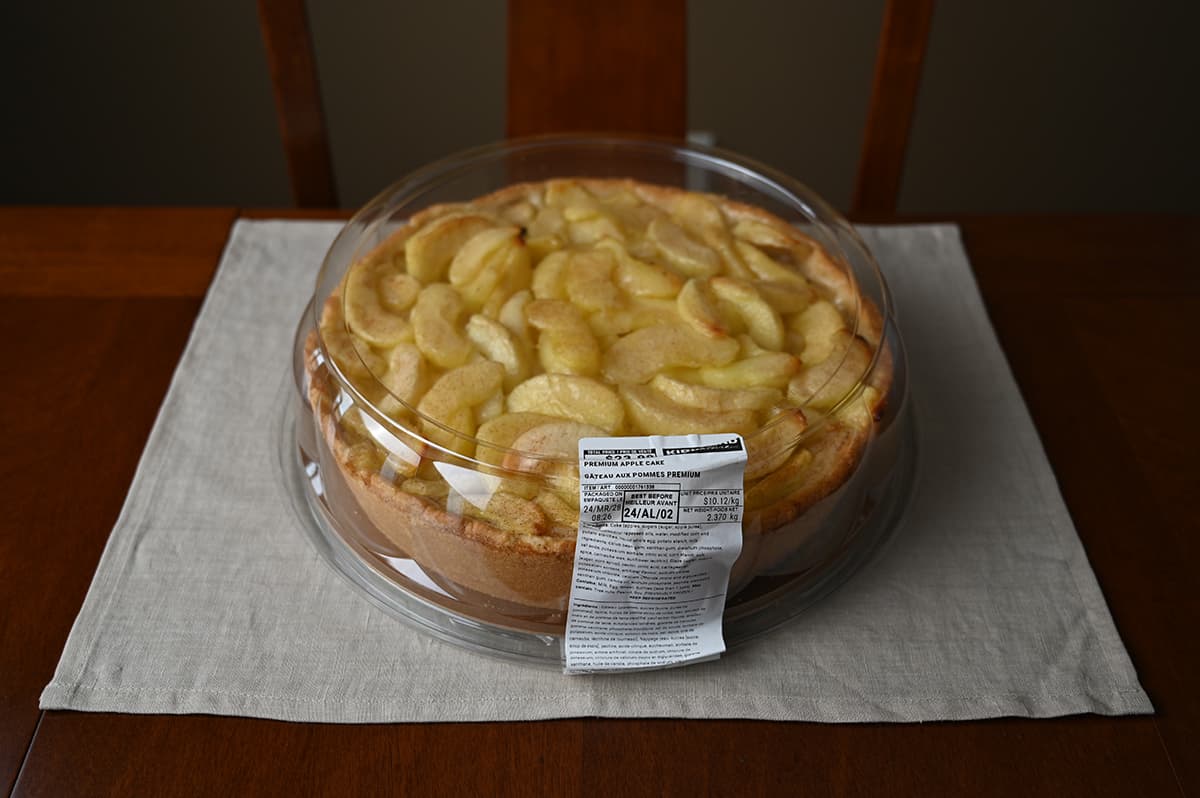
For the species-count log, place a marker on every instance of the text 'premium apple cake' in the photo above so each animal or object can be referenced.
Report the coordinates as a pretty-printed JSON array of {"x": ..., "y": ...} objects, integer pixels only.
[{"x": 459, "y": 360}]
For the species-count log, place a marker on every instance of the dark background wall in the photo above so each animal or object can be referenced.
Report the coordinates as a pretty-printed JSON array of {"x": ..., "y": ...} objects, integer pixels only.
[{"x": 1025, "y": 105}]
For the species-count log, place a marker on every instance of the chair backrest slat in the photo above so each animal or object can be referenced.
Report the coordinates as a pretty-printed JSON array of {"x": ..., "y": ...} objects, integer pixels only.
[
  {"x": 902, "y": 44},
  {"x": 619, "y": 65},
  {"x": 291, "y": 59}
]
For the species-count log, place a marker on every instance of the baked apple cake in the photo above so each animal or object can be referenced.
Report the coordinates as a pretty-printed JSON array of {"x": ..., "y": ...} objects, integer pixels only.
[{"x": 457, "y": 364}]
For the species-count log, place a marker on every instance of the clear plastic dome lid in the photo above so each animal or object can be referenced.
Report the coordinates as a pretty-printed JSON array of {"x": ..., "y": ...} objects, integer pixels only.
[
  {"x": 478, "y": 318},
  {"x": 708, "y": 282}
]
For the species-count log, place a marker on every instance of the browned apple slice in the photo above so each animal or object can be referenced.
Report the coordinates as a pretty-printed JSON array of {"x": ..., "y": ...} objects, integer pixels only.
[
  {"x": 429, "y": 251},
  {"x": 819, "y": 324},
  {"x": 367, "y": 285},
  {"x": 651, "y": 413},
  {"x": 682, "y": 251},
  {"x": 720, "y": 399},
  {"x": 771, "y": 370},
  {"x": 823, "y": 385},
  {"x": 568, "y": 396},
  {"x": 498, "y": 344},
  {"x": 641, "y": 354},
  {"x": 769, "y": 448},
  {"x": 435, "y": 318},
  {"x": 696, "y": 307},
  {"x": 761, "y": 320},
  {"x": 566, "y": 344},
  {"x": 450, "y": 402},
  {"x": 497, "y": 435}
]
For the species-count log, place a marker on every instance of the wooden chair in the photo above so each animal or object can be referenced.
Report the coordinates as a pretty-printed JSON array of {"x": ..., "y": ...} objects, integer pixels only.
[{"x": 561, "y": 65}]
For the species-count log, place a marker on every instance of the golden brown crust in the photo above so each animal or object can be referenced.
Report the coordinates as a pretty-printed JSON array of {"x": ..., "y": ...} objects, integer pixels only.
[{"x": 467, "y": 551}]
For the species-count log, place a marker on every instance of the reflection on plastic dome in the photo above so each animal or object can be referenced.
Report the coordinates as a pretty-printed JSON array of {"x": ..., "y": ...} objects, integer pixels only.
[
  {"x": 477, "y": 488},
  {"x": 395, "y": 447}
]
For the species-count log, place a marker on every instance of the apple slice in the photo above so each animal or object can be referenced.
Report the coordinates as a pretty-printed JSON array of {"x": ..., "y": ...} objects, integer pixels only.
[
  {"x": 490, "y": 259},
  {"x": 590, "y": 281},
  {"x": 450, "y": 402},
  {"x": 611, "y": 323},
  {"x": 575, "y": 201},
  {"x": 581, "y": 399},
  {"x": 405, "y": 376},
  {"x": 639, "y": 278},
  {"x": 429, "y": 251},
  {"x": 549, "y": 276},
  {"x": 787, "y": 297},
  {"x": 765, "y": 268},
  {"x": 770, "y": 447},
  {"x": 651, "y": 413},
  {"x": 824, "y": 384},
  {"x": 497, "y": 435},
  {"x": 762, "y": 321},
  {"x": 538, "y": 449},
  {"x": 682, "y": 251},
  {"x": 566, "y": 344},
  {"x": 356, "y": 361},
  {"x": 701, "y": 217},
  {"x": 590, "y": 231},
  {"x": 562, "y": 512},
  {"x": 515, "y": 515},
  {"x": 435, "y": 326},
  {"x": 498, "y": 344},
  {"x": 641, "y": 354},
  {"x": 698, "y": 309},
  {"x": 512, "y": 316},
  {"x": 819, "y": 324},
  {"x": 772, "y": 370},
  {"x": 704, "y": 397},
  {"x": 770, "y": 239},
  {"x": 366, "y": 314},
  {"x": 782, "y": 481}
]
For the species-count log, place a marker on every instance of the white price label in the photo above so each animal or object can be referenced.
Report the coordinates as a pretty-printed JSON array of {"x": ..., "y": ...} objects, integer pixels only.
[{"x": 660, "y": 526}]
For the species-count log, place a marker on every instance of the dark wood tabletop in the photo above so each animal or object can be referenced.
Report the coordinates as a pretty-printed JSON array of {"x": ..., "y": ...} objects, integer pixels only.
[{"x": 1095, "y": 314}]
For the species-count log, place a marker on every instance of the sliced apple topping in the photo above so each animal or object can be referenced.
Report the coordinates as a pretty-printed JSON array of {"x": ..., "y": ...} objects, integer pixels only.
[
  {"x": 590, "y": 281},
  {"x": 549, "y": 277},
  {"x": 762, "y": 321},
  {"x": 435, "y": 326},
  {"x": 429, "y": 251},
  {"x": 640, "y": 278},
  {"x": 358, "y": 361},
  {"x": 819, "y": 325},
  {"x": 496, "y": 436},
  {"x": 770, "y": 448},
  {"x": 698, "y": 308},
  {"x": 566, "y": 344},
  {"x": 516, "y": 325},
  {"x": 406, "y": 372},
  {"x": 682, "y": 251},
  {"x": 451, "y": 401},
  {"x": 641, "y": 354},
  {"x": 485, "y": 262},
  {"x": 376, "y": 297},
  {"x": 512, "y": 316},
  {"x": 786, "y": 297},
  {"x": 705, "y": 397},
  {"x": 655, "y": 414},
  {"x": 582, "y": 399},
  {"x": 536, "y": 449},
  {"x": 824, "y": 384},
  {"x": 771, "y": 370},
  {"x": 497, "y": 343}
]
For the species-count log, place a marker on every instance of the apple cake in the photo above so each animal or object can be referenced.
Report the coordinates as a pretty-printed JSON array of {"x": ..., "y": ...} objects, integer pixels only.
[{"x": 459, "y": 361}]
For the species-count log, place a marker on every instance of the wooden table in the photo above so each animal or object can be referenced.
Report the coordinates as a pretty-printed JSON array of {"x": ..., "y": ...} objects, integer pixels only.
[{"x": 1096, "y": 315}]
